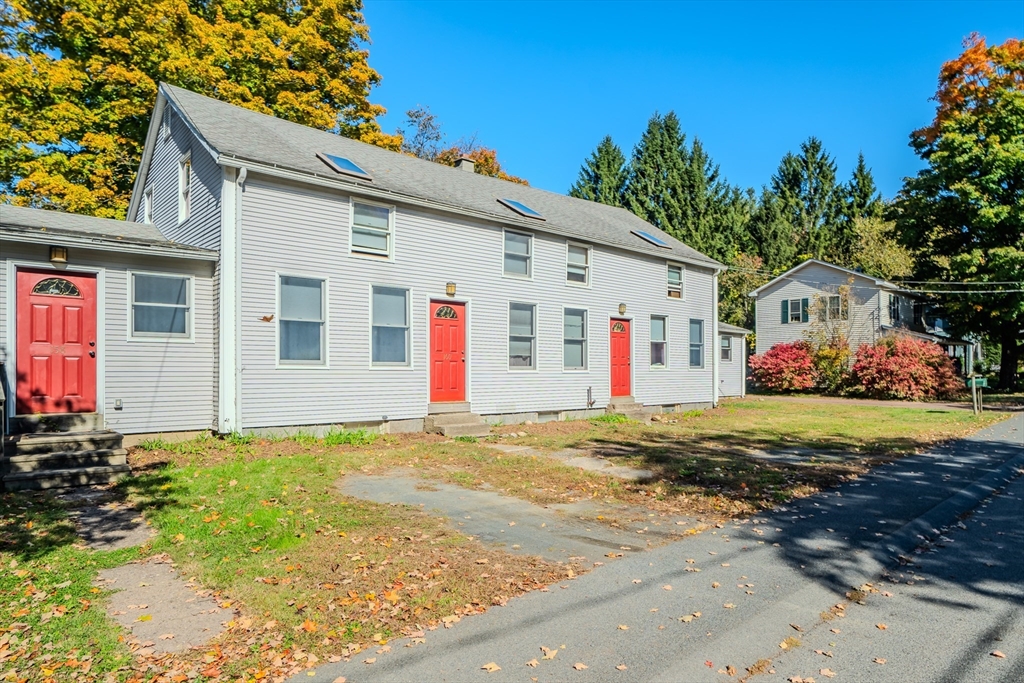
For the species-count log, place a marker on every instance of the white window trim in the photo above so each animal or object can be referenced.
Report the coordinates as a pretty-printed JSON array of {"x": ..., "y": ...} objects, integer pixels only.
[
  {"x": 586, "y": 339},
  {"x": 386, "y": 367},
  {"x": 147, "y": 206},
  {"x": 323, "y": 364},
  {"x": 532, "y": 255},
  {"x": 508, "y": 337},
  {"x": 668, "y": 356},
  {"x": 799, "y": 312},
  {"x": 185, "y": 199},
  {"x": 589, "y": 266},
  {"x": 371, "y": 255},
  {"x": 721, "y": 347},
  {"x": 152, "y": 337},
  {"x": 682, "y": 281},
  {"x": 703, "y": 344},
  {"x": 828, "y": 307}
]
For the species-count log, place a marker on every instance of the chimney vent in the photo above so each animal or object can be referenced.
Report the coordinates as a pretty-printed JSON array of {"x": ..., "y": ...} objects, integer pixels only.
[{"x": 464, "y": 164}]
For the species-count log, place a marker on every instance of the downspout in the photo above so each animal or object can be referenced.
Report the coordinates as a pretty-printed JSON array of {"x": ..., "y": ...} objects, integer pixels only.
[
  {"x": 229, "y": 380},
  {"x": 715, "y": 341}
]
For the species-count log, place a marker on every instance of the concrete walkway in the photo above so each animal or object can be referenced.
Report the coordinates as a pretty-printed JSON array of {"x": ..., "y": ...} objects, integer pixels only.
[{"x": 722, "y": 600}]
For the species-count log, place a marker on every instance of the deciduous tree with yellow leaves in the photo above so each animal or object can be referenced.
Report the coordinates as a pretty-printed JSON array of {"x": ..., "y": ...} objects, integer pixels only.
[{"x": 78, "y": 80}]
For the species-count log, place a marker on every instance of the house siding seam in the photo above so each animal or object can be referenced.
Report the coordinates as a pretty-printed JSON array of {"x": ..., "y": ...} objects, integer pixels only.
[
  {"x": 815, "y": 279},
  {"x": 202, "y": 227},
  {"x": 164, "y": 386},
  {"x": 296, "y": 229}
]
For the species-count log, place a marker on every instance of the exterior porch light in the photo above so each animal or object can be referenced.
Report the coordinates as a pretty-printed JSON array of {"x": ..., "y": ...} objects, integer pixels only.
[
  {"x": 58, "y": 254},
  {"x": 622, "y": 309},
  {"x": 449, "y": 289}
]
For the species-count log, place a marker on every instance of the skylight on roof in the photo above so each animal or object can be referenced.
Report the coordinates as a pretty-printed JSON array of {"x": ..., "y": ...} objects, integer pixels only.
[
  {"x": 521, "y": 209},
  {"x": 343, "y": 165},
  {"x": 648, "y": 237}
]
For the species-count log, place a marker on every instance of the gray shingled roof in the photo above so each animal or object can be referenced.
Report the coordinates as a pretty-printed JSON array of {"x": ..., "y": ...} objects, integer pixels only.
[
  {"x": 19, "y": 219},
  {"x": 232, "y": 131},
  {"x": 731, "y": 329}
]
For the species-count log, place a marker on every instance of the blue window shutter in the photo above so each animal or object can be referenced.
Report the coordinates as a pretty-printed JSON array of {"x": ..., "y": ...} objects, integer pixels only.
[
  {"x": 785, "y": 311},
  {"x": 805, "y": 305}
]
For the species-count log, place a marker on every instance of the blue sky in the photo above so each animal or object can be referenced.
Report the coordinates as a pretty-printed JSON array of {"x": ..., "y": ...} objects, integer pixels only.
[{"x": 544, "y": 82}]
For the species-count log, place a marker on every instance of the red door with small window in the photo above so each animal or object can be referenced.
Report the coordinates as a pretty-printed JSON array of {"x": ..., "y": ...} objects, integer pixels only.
[
  {"x": 56, "y": 342},
  {"x": 620, "y": 352},
  {"x": 447, "y": 351}
]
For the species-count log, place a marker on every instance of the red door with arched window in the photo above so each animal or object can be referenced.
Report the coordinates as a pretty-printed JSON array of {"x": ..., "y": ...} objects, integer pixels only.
[
  {"x": 622, "y": 384},
  {"x": 56, "y": 342},
  {"x": 447, "y": 351}
]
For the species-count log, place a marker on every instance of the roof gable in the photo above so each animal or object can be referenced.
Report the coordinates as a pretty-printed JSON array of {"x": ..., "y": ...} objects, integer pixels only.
[
  {"x": 789, "y": 275},
  {"x": 242, "y": 137}
]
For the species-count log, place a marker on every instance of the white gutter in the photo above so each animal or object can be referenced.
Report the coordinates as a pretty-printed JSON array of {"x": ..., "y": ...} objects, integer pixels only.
[{"x": 98, "y": 244}]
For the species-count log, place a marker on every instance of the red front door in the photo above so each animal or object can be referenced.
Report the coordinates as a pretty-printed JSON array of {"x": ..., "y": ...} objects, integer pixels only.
[
  {"x": 56, "y": 341},
  {"x": 621, "y": 385},
  {"x": 447, "y": 351}
]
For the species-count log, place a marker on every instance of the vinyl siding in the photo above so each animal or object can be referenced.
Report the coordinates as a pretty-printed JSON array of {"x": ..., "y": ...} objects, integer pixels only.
[
  {"x": 731, "y": 372},
  {"x": 807, "y": 282},
  {"x": 202, "y": 227},
  {"x": 300, "y": 230},
  {"x": 164, "y": 386}
]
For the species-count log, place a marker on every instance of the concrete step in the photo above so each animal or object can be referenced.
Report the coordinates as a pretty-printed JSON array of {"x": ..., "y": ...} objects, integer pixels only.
[
  {"x": 53, "y": 479},
  {"x": 448, "y": 407},
  {"x": 66, "y": 460},
  {"x": 623, "y": 407},
  {"x": 474, "y": 429},
  {"x": 435, "y": 422},
  {"x": 53, "y": 442},
  {"x": 62, "y": 422}
]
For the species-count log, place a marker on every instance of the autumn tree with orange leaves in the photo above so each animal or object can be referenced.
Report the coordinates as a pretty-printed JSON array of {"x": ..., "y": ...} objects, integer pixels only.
[{"x": 963, "y": 215}]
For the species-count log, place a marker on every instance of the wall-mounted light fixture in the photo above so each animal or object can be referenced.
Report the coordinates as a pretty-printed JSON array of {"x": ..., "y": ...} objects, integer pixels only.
[
  {"x": 58, "y": 254},
  {"x": 449, "y": 289},
  {"x": 622, "y": 309}
]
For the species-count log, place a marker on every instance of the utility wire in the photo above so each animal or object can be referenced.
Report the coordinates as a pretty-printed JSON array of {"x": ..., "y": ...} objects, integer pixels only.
[{"x": 819, "y": 284}]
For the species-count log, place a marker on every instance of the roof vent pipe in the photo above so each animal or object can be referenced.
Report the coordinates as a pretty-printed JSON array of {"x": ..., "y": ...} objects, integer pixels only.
[{"x": 465, "y": 164}]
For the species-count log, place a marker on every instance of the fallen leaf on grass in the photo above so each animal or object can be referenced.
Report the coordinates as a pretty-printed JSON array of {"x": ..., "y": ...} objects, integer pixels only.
[
  {"x": 878, "y": 660},
  {"x": 835, "y": 630},
  {"x": 731, "y": 670},
  {"x": 637, "y": 581},
  {"x": 707, "y": 662},
  {"x": 490, "y": 667},
  {"x": 370, "y": 660},
  {"x": 533, "y": 663},
  {"x": 997, "y": 653},
  {"x": 548, "y": 653},
  {"x": 715, "y": 584},
  {"x": 167, "y": 636},
  {"x": 580, "y": 666},
  {"x": 667, "y": 587},
  {"x": 145, "y": 617},
  {"x": 795, "y": 627},
  {"x": 729, "y": 605},
  {"x": 621, "y": 667},
  {"x": 881, "y": 627},
  {"x": 823, "y": 653},
  {"x": 623, "y": 627},
  {"x": 829, "y": 673}
]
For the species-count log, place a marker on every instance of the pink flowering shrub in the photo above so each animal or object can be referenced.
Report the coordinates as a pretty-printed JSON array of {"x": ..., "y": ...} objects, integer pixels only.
[
  {"x": 785, "y": 367},
  {"x": 901, "y": 367}
]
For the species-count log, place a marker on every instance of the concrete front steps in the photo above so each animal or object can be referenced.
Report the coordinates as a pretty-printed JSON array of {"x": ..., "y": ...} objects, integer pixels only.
[
  {"x": 454, "y": 419},
  {"x": 58, "y": 451},
  {"x": 627, "y": 405}
]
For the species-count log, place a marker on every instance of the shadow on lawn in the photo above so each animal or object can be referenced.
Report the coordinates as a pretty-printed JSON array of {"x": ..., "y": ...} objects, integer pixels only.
[{"x": 33, "y": 524}]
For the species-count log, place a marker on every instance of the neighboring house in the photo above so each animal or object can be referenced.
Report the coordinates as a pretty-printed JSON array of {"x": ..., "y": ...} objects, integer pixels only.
[
  {"x": 278, "y": 276},
  {"x": 732, "y": 370},
  {"x": 865, "y": 307}
]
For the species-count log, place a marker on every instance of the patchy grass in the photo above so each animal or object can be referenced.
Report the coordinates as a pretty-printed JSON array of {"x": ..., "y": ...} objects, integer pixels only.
[
  {"x": 52, "y": 624},
  {"x": 610, "y": 418}
]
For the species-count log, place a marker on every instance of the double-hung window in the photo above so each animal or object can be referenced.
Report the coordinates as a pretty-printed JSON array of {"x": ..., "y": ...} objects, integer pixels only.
[
  {"x": 185, "y": 188},
  {"x": 795, "y": 310},
  {"x": 894, "y": 308},
  {"x": 574, "y": 331},
  {"x": 726, "y": 347},
  {"x": 302, "y": 318},
  {"x": 371, "y": 229},
  {"x": 522, "y": 336},
  {"x": 390, "y": 326},
  {"x": 577, "y": 267},
  {"x": 161, "y": 305},
  {"x": 696, "y": 343},
  {"x": 675, "y": 281},
  {"x": 659, "y": 341},
  {"x": 518, "y": 254}
]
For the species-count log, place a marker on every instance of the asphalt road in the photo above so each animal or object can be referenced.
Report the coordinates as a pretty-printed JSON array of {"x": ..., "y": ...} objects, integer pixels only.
[{"x": 750, "y": 581}]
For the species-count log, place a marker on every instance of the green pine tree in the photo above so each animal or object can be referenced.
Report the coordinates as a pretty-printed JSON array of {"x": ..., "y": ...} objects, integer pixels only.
[
  {"x": 861, "y": 202},
  {"x": 771, "y": 233},
  {"x": 655, "y": 174},
  {"x": 603, "y": 176},
  {"x": 812, "y": 201}
]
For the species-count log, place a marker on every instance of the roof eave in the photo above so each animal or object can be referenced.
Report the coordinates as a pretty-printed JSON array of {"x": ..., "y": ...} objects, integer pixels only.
[{"x": 101, "y": 243}]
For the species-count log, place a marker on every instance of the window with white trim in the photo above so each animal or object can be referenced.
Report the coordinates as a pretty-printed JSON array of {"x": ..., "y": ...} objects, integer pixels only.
[
  {"x": 795, "y": 311},
  {"x": 161, "y": 305},
  {"x": 726, "y": 348},
  {"x": 696, "y": 343},
  {"x": 390, "y": 326},
  {"x": 185, "y": 188},
  {"x": 301, "y": 320},
  {"x": 147, "y": 206},
  {"x": 675, "y": 281},
  {"x": 574, "y": 339},
  {"x": 577, "y": 266},
  {"x": 518, "y": 254},
  {"x": 371, "y": 230},
  {"x": 522, "y": 336},
  {"x": 659, "y": 341}
]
